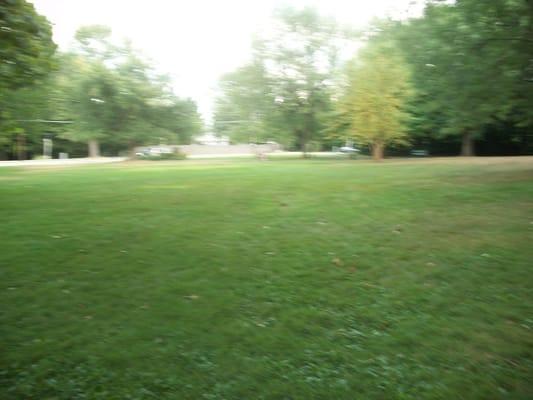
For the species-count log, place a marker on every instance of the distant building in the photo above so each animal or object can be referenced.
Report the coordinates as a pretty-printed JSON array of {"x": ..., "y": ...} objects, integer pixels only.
[{"x": 212, "y": 140}]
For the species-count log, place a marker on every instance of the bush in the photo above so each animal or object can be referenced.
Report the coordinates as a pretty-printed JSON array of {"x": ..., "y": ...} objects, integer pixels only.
[{"x": 177, "y": 155}]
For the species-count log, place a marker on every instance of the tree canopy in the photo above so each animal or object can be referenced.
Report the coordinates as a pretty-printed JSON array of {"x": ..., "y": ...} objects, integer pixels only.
[
  {"x": 284, "y": 94},
  {"x": 26, "y": 56},
  {"x": 26, "y": 45},
  {"x": 458, "y": 75},
  {"x": 472, "y": 65},
  {"x": 103, "y": 92},
  {"x": 373, "y": 108},
  {"x": 457, "y": 79}
]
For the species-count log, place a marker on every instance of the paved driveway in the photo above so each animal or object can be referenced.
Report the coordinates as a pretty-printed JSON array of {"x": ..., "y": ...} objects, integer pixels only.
[{"x": 66, "y": 161}]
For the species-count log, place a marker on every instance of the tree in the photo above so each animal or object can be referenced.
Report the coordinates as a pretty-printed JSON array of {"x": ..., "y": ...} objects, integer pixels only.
[
  {"x": 89, "y": 92},
  {"x": 26, "y": 55},
  {"x": 245, "y": 105},
  {"x": 372, "y": 109},
  {"x": 301, "y": 58},
  {"x": 182, "y": 119},
  {"x": 114, "y": 96},
  {"x": 472, "y": 66},
  {"x": 286, "y": 91},
  {"x": 26, "y": 46},
  {"x": 27, "y": 108}
]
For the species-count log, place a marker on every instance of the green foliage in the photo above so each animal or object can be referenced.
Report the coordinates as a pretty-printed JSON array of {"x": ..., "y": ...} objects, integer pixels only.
[
  {"x": 26, "y": 45},
  {"x": 460, "y": 73},
  {"x": 471, "y": 64},
  {"x": 304, "y": 55},
  {"x": 465, "y": 65},
  {"x": 372, "y": 109},
  {"x": 115, "y": 96},
  {"x": 243, "y": 109},
  {"x": 26, "y": 58},
  {"x": 181, "y": 117},
  {"x": 104, "y": 92},
  {"x": 284, "y": 94},
  {"x": 20, "y": 109}
]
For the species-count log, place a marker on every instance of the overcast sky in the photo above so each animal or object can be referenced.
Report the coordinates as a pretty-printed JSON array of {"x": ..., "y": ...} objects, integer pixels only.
[{"x": 196, "y": 41}]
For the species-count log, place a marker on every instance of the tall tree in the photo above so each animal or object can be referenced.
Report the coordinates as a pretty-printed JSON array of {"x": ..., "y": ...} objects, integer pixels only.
[
  {"x": 286, "y": 91},
  {"x": 472, "y": 66},
  {"x": 26, "y": 57},
  {"x": 26, "y": 45},
  {"x": 183, "y": 120},
  {"x": 245, "y": 105},
  {"x": 301, "y": 58},
  {"x": 90, "y": 88},
  {"x": 114, "y": 96},
  {"x": 372, "y": 109}
]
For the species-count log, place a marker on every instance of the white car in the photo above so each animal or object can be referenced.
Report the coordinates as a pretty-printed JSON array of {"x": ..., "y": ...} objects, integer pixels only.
[
  {"x": 157, "y": 151},
  {"x": 347, "y": 149}
]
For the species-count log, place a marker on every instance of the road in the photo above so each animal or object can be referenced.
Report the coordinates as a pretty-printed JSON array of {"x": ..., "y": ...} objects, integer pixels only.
[{"x": 60, "y": 162}]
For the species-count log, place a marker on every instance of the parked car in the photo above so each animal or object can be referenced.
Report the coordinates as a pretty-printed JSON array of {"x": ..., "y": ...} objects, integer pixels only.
[
  {"x": 154, "y": 151},
  {"x": 419, "y": 153},
  {"x": 347, "y": 149}
]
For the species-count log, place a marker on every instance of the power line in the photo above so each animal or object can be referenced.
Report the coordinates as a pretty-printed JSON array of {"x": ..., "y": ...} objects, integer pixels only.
[{"x": 47, "y": 121}]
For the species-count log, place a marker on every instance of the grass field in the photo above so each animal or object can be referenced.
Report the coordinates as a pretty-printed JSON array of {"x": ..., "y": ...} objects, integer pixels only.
[{"x": 321, "y": 279}]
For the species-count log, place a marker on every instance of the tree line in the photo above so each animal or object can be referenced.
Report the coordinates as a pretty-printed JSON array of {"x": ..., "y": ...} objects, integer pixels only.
[
  {"x": 100, "y": 96},
  {"x": 455, "y": 80}
]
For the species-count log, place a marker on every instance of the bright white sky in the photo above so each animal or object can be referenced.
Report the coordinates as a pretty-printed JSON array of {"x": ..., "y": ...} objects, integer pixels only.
[{"x": 196, "y": 41}]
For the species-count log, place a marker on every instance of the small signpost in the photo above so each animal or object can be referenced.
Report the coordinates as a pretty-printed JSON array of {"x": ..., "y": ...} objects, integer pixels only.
[{"x": 47, "y": 148}]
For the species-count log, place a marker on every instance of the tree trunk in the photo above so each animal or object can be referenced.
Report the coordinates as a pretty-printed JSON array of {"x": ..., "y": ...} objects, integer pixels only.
[
  {"x": 377, "y": 151},
  {"x": 467, "y": 145},
  {"x": 94, "y": 148},
  {"x": 131, "y": 149},
  {"x": 21, "y": 146},
  {"x": 303, "y": 146},
  {"x": 304, "y": 150}
]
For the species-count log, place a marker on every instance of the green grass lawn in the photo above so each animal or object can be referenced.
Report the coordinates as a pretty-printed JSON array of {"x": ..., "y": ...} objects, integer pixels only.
[{"x": 324, "y": 279}]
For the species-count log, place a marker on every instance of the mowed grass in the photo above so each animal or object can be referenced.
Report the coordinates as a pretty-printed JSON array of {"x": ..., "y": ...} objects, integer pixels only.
[{"x": 267, "y": 280}]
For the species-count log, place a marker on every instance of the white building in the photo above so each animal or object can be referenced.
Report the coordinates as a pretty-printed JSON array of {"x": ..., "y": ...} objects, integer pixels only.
[{"x": 211, "y": 139}]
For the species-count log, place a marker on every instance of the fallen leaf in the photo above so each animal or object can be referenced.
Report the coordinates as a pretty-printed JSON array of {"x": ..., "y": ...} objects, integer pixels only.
[{"x": 338, "y": 262}]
